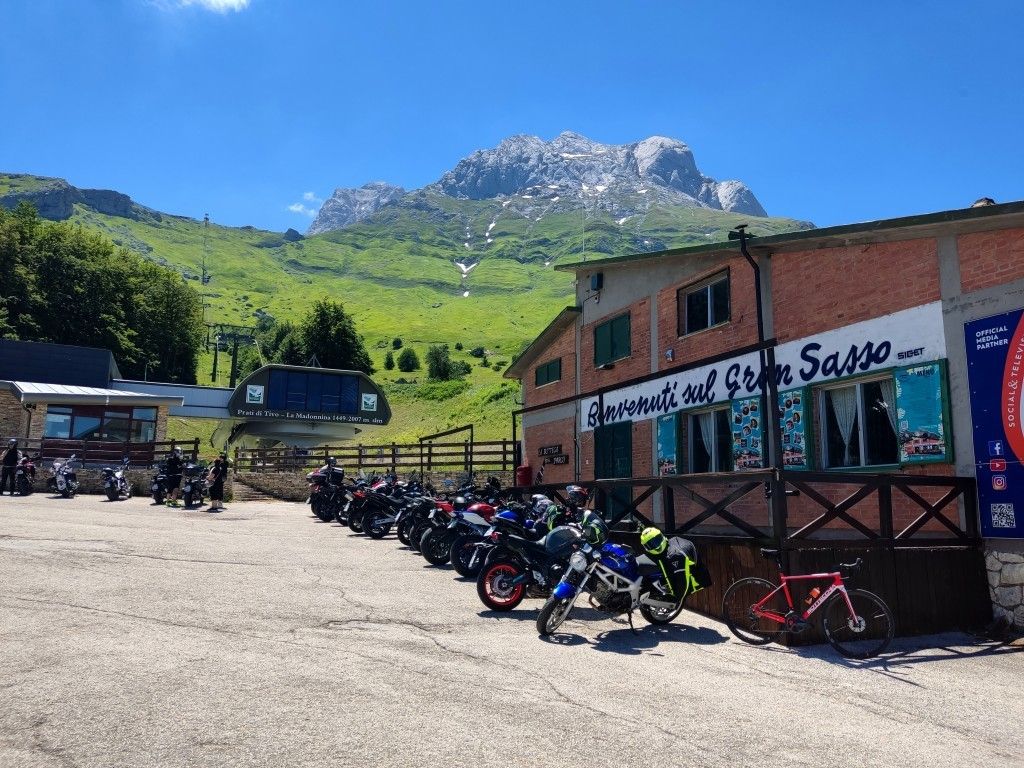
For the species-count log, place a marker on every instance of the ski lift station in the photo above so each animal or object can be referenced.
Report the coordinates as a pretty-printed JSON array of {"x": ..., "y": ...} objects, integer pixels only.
[{"x": 63, "y": 392}]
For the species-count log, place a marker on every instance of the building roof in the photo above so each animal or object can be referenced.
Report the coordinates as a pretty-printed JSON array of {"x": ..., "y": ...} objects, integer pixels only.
[
  {"x": 924, "y": 225},
  {"x": 56, "y": 363},
  {"x": 562, "y": 320},
  {"x": 71, "y": 394}
]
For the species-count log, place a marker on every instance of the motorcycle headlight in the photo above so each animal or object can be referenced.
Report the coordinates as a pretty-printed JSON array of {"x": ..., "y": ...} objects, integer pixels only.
[{"x": 578, "y": 561}]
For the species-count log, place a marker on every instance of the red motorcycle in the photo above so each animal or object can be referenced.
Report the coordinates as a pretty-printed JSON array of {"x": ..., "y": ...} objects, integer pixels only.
[{"x": 25, "y": 476}]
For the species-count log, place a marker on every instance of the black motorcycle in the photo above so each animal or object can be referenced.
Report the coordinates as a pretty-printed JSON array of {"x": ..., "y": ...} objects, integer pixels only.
[
  {"x": 193, "y": 484},
  {"x": 158, "y": 485},
  {"x": 25, "y": 476},
  {"x": 115, "y": 484},
  {"x": 328, "y": 496},
  {"x": 520, "y": 566},
  {"x": 437, "y": 544}
]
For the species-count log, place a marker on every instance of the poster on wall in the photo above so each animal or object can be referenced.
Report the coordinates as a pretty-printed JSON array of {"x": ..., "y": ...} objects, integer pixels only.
[
  {"x": 793, "y": 425},
  {"x": 995, "y": 372},
  {"x": 667, "y": 431},
  {"x": 920, "y": 414},
  {"x": 746, "y": 433}
]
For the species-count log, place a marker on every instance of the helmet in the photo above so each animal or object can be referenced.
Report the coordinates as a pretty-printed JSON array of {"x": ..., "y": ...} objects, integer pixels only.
[
  {"x": 595, "y": 529},
  {"x": 577, "y": 496},
  {"x": 653, "y": 541},
  {"x": 554, "y": 516},
  {"x": 331, "y": 461},
  {"x": 459, "y": 504},
  {"x": 12, "y": 441},
  {"x": 177, "y": 451}
]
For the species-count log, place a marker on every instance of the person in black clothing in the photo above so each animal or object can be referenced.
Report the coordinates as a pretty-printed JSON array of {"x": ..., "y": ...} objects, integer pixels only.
[
  {"x": 216, "y": 479},
  {"x": 175, "y": 463},
  {"x": 11, "y": 457}
]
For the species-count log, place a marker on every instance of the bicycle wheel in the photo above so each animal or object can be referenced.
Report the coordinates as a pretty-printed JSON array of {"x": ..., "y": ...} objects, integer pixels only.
[
  {"x": 738, "y": 610},
  {"x": 861, "y": 636}
]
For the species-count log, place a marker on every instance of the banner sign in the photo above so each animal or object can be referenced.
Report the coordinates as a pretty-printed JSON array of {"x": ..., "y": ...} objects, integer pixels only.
[
  {"x": 995, "y": 372},
  {"x": 793, "y": 410},
  {"x": 747, "y": 430},
  {"x": 668, "y": 430},
  {"x": 920, "y": 414},
  {"x": 908, "y": 337},
  {"x": 559, "y": 459},
  {"x": 549, "y": 450}
]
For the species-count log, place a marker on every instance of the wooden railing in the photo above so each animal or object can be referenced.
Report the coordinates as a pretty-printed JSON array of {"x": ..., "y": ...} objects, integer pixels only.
[
  {"x": 102, "y": 452},
  {"x": 467, "y": 456}
]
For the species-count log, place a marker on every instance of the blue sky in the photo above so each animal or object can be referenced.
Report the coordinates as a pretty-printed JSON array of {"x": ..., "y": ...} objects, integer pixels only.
[{"x": 833, "y": 112}]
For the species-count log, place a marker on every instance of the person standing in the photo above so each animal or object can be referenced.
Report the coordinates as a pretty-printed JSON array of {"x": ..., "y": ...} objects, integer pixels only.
[
  {"x": 216, "y": 480},
  {"x": 175, "y": 463},
  {"x": 11, "y": 457}
]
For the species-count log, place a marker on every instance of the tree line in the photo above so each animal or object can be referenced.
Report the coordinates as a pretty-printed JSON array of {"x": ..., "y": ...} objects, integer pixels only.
[{"x": 61, "y": 283}]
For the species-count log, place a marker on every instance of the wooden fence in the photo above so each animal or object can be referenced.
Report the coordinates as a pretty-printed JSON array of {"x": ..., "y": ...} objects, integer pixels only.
[
  {"x": 467, "y": 456},
  {"x": 104, "y": 452},
  {"x": 918, "y": 535}
]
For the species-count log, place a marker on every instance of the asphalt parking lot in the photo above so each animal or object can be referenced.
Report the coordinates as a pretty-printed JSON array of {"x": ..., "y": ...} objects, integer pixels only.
[{"x": 136, "y": 635}]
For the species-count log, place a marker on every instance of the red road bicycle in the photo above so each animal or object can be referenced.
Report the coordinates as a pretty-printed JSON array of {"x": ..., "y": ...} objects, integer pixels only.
[{"x": 856, "y": 622}]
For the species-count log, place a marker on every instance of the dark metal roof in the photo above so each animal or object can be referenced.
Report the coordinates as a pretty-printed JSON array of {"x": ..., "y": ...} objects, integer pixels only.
[
  {"x": 56, "y": 364},
  {"x": 928, "y": 224}
]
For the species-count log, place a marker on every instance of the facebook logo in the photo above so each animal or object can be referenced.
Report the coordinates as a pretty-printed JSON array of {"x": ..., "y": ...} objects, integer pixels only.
[{"x": 995, "y": 447}]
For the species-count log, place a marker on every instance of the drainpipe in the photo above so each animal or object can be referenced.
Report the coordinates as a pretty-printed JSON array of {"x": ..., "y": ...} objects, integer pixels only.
[{"x": 775, "y": 489}]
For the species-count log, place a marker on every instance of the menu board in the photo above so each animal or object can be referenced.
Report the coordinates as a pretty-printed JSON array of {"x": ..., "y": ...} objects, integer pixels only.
[
  {"x": 668, "y": 429},
  {"x": 746, "y": 434},
  {"x": 920, "y": 414},
  {"x": 796, "y": 452}
]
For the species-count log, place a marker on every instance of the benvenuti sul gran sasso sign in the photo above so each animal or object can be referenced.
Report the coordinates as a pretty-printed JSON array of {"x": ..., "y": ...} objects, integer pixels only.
[{"x": 903, "y": 338}]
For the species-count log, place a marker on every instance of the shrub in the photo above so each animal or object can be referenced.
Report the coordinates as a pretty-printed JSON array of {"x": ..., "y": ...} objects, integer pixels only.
[
  {"x": 460, "y": 368},
  {"x": 389, "y": 361},
  {"x": 484, "y": 363},
  {"x": 439, "y": 362},
  {"x": 396, "y": 343},
  {"x": 497, "y": 366},
  {"x": 441, "y": 390},
  {"x": 477, "y": 352},
  {"x": 408, "y": 360},
  {"x": 458, "y": 346}
]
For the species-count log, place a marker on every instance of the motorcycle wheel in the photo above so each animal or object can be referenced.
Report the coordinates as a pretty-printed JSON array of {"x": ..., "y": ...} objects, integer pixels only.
[
  {"x": 658, "y": 616},
  {"x": 404, "y": 528},
  {"x": 67, "y": 493},
  {"x": 494, "y": 587},
  {"x": 355, "y": 521},
  {"x": 112, "y": 493},
  {"x": 158, "y": 498},
  {"x": 187, "y": 499},
  {"x": 373, "y": 528},
  {"x": 24, "y": 487},
  {"x": 462, "y": 551},
  {"x": 415, "y": 535},
  {"x": 341, "y": 514},
  {"x": 316, "y": 505},
  {"x": 552, "y": 615},
  {"x": 435, "y": 546}
]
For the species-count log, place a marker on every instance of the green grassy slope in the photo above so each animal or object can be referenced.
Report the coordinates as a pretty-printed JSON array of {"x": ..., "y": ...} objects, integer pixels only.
[{"x": 396, "y": 276}]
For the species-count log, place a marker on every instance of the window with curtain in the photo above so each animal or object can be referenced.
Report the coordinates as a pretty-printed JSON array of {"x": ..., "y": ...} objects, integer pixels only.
[
  {"x": 859, "y": 424},
  {"x": 710, "y": 441},
  {"x": 703, "y": 305}
]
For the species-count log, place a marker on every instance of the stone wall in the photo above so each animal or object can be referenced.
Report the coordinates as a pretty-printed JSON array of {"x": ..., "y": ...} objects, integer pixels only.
[
  {"x": 12, "y": 416},
  {"x": 1005, "y": 585}
]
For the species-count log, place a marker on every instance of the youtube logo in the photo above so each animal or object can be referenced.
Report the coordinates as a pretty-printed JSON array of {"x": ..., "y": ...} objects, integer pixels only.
[{"x": 997, "y": 465}]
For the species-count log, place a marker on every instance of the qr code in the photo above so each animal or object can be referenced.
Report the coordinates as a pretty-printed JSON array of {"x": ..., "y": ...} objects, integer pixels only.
[{"x": 1003, "y": 517}]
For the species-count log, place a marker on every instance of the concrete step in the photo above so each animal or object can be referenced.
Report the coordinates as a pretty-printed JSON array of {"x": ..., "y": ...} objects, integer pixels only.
[{"x": 244, "y": 492}]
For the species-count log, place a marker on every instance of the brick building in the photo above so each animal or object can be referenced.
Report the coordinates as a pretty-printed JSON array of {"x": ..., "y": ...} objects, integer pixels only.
[{"x": 886, "y": 335}]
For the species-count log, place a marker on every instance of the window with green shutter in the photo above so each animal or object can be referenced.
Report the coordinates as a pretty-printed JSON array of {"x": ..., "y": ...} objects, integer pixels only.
[
  {"x": 549, "y": 372},
  {"x": 611, "y": 340}
]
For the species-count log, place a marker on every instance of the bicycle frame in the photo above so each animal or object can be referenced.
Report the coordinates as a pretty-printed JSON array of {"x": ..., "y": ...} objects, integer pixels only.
[{"x": 836, "y": 585}]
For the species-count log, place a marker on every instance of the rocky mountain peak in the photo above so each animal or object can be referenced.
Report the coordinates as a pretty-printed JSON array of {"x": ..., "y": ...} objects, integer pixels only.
[{"x": 348, "y": 206}]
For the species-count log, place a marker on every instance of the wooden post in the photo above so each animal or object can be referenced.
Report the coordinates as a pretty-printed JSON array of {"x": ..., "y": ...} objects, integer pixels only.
[
  {"x": 885, "y": 509},
  {"x": 669, "y": 508}
]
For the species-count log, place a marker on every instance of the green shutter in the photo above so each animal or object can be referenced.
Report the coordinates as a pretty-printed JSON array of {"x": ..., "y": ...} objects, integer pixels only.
[{"x": 602, "y": 344}]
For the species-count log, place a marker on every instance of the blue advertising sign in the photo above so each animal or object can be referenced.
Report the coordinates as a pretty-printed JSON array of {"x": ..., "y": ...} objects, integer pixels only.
[
  {"x": 921, "y": 414},
  {"x": 667, "y": 431},
  {"x": 995, "y": 371},
  {"x": 746, "y": 433}
]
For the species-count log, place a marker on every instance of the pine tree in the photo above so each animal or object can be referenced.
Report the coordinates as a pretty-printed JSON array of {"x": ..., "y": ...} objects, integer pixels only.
[
  {"x": 329, "y": 332},
  {"x": 389, "y": 361}
]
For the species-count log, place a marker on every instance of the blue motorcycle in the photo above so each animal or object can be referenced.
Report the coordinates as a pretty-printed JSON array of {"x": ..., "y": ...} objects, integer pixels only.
[{"x": 616, "y": 581}]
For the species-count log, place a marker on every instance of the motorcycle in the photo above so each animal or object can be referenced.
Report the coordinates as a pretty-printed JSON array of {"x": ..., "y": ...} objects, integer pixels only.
[
  {"x": 115, "y": 484},
  {"x": 158, "y": 486},
  {"x": 25, "y": 476},
  {"x": 619, "y": 582},
  {"x": 63, "y": 480},
  {"x": 521, "y": 563},
  {"x": 328, "y": 497},
  {"x": 383, "y": 510},
  {"x": 193, "y": 484}
]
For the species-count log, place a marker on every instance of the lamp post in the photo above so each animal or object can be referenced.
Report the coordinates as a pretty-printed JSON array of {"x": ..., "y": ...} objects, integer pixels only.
[{"x": 775, "y": 489}]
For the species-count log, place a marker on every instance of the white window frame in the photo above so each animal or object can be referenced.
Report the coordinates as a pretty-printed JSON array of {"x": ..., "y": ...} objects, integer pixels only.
[
  {"x": 703, "y": 285},
  {"x": 861, "y": 421},
  {"x": 691, "y": 434}
]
